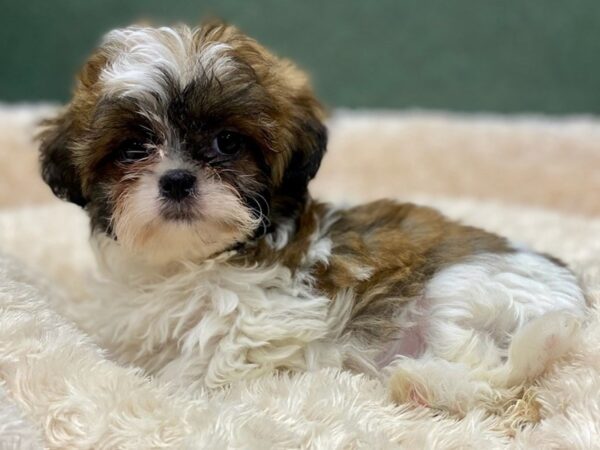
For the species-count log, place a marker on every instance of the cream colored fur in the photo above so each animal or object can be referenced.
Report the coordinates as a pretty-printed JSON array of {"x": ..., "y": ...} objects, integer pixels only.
[
  {"x": 70, "y": 394},
  {"x": 212, "y": 323}
]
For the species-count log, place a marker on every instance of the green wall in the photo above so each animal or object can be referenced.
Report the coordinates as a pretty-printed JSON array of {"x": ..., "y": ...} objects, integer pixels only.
[{"x": 465, "y": 55}]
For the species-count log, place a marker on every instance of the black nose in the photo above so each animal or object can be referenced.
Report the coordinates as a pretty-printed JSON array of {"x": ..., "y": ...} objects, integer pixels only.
[{"x": 177, "y": 184}]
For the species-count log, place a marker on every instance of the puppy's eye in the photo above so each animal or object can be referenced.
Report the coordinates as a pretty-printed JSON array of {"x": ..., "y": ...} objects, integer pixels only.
[
  {"x": 228, "y": 143},
  {"x": 132, "y": 150}
]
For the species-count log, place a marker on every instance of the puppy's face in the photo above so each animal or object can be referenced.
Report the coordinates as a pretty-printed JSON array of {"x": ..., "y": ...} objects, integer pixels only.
[{"x": 181, "y": 143}]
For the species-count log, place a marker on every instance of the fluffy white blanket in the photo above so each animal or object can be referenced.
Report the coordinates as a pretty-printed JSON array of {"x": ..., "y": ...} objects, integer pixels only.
[{"x": 59, "y": 390}]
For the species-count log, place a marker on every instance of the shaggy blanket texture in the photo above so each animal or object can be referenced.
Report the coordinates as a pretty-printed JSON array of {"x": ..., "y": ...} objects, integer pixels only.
[{"x": 531, "y": 179}]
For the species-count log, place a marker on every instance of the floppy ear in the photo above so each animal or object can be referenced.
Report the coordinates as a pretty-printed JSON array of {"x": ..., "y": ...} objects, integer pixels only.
[
  {"x": 306, "y": 160},
  {"x": 57, "y": 166},
  {"x": 310, "y": 145}
]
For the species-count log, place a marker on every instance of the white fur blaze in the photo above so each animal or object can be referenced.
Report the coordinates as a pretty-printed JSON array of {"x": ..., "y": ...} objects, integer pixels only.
[{"x": 151, "y": 58}]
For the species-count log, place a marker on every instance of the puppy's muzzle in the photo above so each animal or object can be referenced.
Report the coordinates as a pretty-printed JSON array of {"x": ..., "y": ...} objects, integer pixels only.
[{"x": 177, "y": 184}]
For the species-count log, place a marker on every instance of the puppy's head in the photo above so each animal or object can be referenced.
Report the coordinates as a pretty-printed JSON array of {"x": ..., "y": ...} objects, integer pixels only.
[{"x": 181, "y": 143}]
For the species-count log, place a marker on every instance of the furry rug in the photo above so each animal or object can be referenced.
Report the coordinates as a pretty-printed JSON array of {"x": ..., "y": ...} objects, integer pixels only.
[{"x": 59, "y": 390}]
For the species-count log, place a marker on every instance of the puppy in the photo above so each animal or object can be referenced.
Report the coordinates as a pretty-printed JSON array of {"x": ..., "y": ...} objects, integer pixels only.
[{"x": 191, "y": 151}]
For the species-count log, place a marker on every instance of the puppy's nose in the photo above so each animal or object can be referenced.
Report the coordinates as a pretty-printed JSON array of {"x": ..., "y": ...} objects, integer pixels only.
[{"x": 177, "y": 184}]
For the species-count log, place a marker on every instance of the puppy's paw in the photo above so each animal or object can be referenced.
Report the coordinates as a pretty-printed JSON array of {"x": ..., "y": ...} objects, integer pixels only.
[
  {"x": 404, "y": 388},
  {"x": 540, "y": 343},
  {"x": 439, "y": 384},
  {"x": 561, "y": 329}
]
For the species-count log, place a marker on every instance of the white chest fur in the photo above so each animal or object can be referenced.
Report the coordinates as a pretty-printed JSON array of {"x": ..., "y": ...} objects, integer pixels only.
[{"x": 213, "y": 322}]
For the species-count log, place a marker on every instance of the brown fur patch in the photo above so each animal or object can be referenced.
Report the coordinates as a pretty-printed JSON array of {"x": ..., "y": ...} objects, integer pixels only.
[
  {"x": 402, "y": 246},
  {"x": 385, "y": 252}
]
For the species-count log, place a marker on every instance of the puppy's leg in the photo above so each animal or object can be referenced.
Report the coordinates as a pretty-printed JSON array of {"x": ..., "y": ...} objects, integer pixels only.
[
  {"x": 490, "y": 324},
  {"x": 536, "y": 346},
  {"x": 436, "y": 383},
  {"x": 458, "y": 386}
]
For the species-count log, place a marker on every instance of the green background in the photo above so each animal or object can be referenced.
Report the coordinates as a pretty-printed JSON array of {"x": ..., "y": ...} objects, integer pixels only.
[{"x": 465, "y": 55}]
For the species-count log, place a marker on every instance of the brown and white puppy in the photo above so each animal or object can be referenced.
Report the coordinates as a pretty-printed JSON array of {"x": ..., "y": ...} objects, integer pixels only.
[{"x": 191, "y": 150}]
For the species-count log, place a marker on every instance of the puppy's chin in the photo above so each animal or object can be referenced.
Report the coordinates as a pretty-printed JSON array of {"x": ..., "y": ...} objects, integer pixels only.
[{"x": 161, "y": 231}]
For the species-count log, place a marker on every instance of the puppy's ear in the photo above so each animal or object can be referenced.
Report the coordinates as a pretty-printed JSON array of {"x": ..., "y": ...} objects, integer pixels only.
[
  {"x": 56, "y": 161},
  {"x": 310, "y": 145},
  {"x": 306, "y": 160}
]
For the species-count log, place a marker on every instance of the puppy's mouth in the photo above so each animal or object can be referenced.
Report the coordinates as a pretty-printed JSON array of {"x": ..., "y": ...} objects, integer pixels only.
[
  {"x": 178, "y": 193},
  {"x": 178, "y": 211}
]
